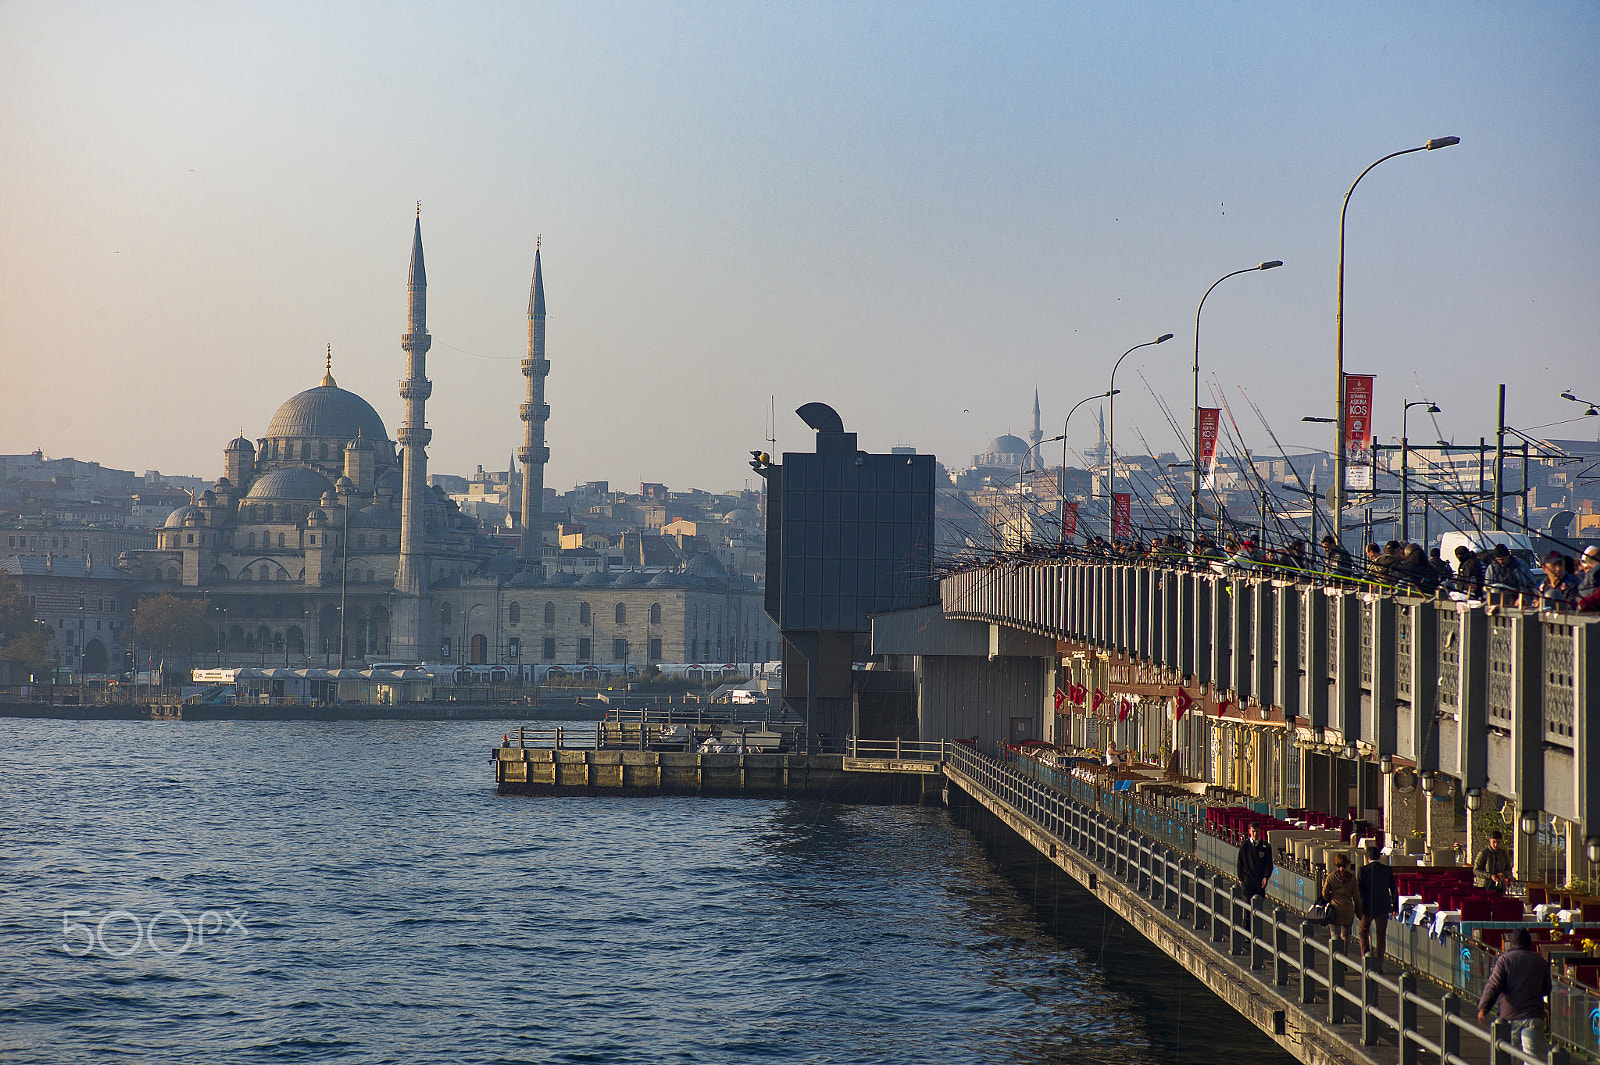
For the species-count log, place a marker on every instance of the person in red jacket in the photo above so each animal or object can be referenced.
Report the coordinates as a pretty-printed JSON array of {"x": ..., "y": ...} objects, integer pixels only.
[{"x": 1520, "y": 982}]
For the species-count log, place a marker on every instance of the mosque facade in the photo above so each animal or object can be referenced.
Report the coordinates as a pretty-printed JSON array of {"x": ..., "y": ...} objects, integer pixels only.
[{"x": 326, "y": 516}]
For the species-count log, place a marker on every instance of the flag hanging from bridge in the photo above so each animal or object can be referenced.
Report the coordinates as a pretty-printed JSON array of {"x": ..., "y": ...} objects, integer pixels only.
[
  {"x": 1121, "y": 514},
  {"x": 1207, "y": 459},
  {"x": 1357, "y": 430}
]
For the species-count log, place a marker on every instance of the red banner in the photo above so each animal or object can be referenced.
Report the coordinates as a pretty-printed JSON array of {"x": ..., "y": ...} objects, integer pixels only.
[
  {"x": 1061, "y": 699},
  {"x": 1183, "y": 705},
  {"x": 1357, "y": 430},
  {"x": 1208, "y": 438},
  {"x": 1121, "y": 514},
  {"x": 1069, "y": 520}
]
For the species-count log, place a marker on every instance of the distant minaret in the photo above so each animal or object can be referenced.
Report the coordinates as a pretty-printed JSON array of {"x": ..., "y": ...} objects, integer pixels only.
[
  {"x": 412, "y": 577},
  {"x": 534, "y": 413},
  {"x": 1035, "y": 437}
]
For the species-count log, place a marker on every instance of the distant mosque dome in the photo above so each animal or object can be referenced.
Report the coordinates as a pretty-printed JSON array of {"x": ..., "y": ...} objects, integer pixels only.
[
  {"x": 327, "y": 412},
  {"x": 1004, "y": 450},
  {"x": 175, "y": 519},
  {"x": 290, "y": 482}
]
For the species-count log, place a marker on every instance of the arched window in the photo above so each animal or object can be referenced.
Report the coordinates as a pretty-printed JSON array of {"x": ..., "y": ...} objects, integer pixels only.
[
  {"x": 383, "y": 540},
  {"x": 265, "y": 573},
  {"x": 549, "y": 614},
  {"x": 444, "y": 614},
  {"x": 514, "y": 613},
  {"x": 655, "y": 613},
  {"x": 361, "y": 541},
  {"x": 281, "y": 575},
  {"x": 285, "y": 513},
  {"x": 322, "y": 452},
  {"x": 280, "y": 539},
  {"x": 583, "y": 614},
  {"x": 252, "y": 539},
  {"x": 622, "y": 613},
  {"x": 370, "y": 577}
]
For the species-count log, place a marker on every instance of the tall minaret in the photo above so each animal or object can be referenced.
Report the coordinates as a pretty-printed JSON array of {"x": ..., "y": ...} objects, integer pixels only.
[
  {"x": 412, "y": 577},
  {"x": 1035, "y": 437},
  {"x": 534, "y": 413}
]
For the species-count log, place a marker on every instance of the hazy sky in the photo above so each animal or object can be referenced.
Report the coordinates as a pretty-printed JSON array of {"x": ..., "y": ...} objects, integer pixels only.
[{"x": 917, "y": 213}]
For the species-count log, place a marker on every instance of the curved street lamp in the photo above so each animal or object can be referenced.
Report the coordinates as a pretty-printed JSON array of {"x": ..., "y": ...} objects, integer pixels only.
[
  {"x": 1111, "y": 435},
  {"x": 1405, "y": 496},
  {"x": 1061, "y": 484},
  {"x": 1339, "y": 440},
  {"x": 1194, "y": 480},
  {"x": 1593, "y": 409}
]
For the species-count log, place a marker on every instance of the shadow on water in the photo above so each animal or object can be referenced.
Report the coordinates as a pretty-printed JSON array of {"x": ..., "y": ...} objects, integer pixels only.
[{"x": 1179, "y": 1019}]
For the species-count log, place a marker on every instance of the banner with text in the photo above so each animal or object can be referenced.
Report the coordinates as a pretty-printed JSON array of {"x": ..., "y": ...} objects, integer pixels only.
[
  {"x": 1358, "y": 430},
  {"x": 1069, "y": 521},
  {"x": 1208, "y": 445},
  {"x": 1121, "y": 514}
]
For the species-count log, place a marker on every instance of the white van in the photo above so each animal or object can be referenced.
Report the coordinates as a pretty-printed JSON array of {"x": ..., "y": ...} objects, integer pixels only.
[{"x": 1519, "y": 544}]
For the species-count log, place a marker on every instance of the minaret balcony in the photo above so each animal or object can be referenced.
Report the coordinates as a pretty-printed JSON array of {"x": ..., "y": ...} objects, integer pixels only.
[
  {"x": 408, "y": 436},
  {"x": 534, "y": 412},
  {"x": 415, "y": 342},
  {"x": 416, "y": 388},
  {"x": 527, "y": 455},
  {"x": 530, "y": 367}
]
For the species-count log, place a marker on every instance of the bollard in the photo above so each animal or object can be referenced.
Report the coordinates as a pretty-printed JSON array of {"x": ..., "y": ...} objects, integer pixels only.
[
  {"x": 1500, "y": 1032},
  {"x": 1369, "y": 1003},
  {"x": 1280, "y": 947},
  {"x": 1336, "y": 968},
  {"x": 1406, "y": 1012},
  {"x": 1449, "y": 1030},
  {"x": 1308, "y": 964}
]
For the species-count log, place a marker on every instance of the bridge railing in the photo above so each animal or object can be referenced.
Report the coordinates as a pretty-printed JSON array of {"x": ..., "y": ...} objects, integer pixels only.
[
  {"x": 1423, "y": 680},
  {"x": 895, "y": 750},
  {"x": 1282, "y": 947}
]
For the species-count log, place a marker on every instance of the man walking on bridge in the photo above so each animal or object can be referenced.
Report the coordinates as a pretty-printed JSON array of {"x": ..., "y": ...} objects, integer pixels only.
[
  {"x": 1255, "y": 864},
  {"x": 1520, "y": 980},
  {"x": 1378, "y": 900}
]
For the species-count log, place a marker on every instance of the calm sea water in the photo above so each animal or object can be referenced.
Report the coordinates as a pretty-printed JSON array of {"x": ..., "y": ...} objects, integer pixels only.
[{"x": 271, "y": 892}]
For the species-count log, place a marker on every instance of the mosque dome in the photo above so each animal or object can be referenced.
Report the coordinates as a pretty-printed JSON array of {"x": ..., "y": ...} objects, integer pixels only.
[
  {"x": 1004, "y": 450},
  {"x": 630, "y": 579},
  {"x": 594, "y": 580},
  {"x": 176, "y": 518},
  {"x": 665, "y": 580},
  {"x": 705, "y": 567},
  {"x": 561, "y": 580},
  {"x": 374, "y": 517},
  {"x": 290, "y": 482},
  {"x": 528, "y": 578},
  {"x": 327, "y": 412}
]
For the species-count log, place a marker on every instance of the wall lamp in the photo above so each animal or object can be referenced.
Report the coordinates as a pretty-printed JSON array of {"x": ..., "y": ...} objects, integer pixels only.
[
  {"x": 1474, "y": 799},
  {"x": 1385, "y": 763},
  {"x": 1530, "y": 822}
]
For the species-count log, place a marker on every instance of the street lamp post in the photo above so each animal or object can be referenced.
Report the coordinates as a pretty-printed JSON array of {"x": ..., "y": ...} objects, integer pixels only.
[
  {"x": 1194, "y": 479},
  {"x": 346, "y": 488},
  {"x": 1062, "y": 483},
  {"x": 1111, "y": 435},
  {"x": 1405, "y": 496},
  {"x": 1339, "y": 438}
]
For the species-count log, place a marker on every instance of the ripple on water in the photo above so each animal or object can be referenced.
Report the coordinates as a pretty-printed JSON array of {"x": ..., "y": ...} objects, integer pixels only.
[{"x": 413, "y": 916}]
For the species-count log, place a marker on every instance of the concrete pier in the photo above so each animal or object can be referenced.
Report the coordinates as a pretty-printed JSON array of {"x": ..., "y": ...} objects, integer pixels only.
[{"x": 823, "y": 777}]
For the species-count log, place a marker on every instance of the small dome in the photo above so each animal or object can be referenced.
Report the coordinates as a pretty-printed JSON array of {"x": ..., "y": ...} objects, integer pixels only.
[
  {"x": 391, "y": 480},
  {"x": 374, "y": 517},
  {"x": 360, "y": 443},
  {"x": 595, "y": 580},
  {"x": 739, "y": 517},
  {"x": 528, "y": 578},
  {"x": 290, "y": 482},
  {"x": 665, "y": 580},
  {"x": 706, "y": 567},
  {"x": 222, "y": 483},
  {"x": 630, "y": 579},
  {"x": 561, "y": 580},
  {"x": 327, "y": 411},
  {"x": 239, "y": 443},
  {"x": 176, "y": 519},
  {"x": 318, "y": 516}
]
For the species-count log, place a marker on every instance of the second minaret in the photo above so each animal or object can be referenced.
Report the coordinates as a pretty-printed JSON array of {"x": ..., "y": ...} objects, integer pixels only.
[{"x": 534, "y": 413}]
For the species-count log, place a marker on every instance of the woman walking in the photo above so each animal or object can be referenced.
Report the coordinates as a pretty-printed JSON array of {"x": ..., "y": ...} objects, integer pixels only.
[{"x": 1343, "y": 898}]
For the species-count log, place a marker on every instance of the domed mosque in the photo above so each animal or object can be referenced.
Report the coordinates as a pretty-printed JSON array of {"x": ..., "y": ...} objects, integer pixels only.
[{"x": 266, "y": 544}]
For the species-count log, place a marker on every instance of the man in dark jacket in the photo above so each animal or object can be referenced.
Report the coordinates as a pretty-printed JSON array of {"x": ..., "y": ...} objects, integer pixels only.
[
  {"x": 1378, "y": 900},
  {"x": 1520, "y": 980},
  {"x": 1469, "y": 573},
  {"x": 1255, "y": 864}
]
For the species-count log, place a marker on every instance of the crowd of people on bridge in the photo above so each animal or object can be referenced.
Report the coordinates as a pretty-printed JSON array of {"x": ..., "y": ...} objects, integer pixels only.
[{"x": 1568, "y": 583}]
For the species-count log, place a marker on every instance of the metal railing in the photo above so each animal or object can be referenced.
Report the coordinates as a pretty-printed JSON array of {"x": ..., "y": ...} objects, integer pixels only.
[
  {"x": 1279, "y": 946},
  {"x": 896, "y": 750},
  {"x": 560, "y": 738}
]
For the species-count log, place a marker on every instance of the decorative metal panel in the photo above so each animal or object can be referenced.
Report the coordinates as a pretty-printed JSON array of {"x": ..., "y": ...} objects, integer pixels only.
[
  {"x": 1500, "y": 667},
  {"x": 1449, "y": 661},
  {"x": 1402, "y": 651},
  {"x": 1366, "y": 642},
  {"x": 1559, "y": 693}
]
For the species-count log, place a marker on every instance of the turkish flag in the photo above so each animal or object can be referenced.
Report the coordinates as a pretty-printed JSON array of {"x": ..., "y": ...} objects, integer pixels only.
[
  {"x": 1184, "y": 703},
  {"x": 1123, "y": 706},
  {"x": 1061, "y": 699},
  {"x": 1222, "y": 706},
  {"x": 1099, "y": 697}
]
